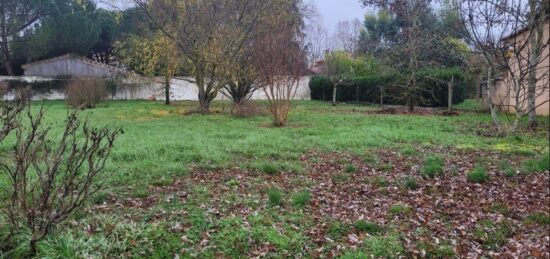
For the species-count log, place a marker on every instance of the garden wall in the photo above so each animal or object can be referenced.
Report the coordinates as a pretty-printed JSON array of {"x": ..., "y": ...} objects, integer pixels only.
[{"x": 140, "y": 88}]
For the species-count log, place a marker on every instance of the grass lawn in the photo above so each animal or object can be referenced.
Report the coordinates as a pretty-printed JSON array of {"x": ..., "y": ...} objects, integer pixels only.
[{"x": 337, "y": 181}]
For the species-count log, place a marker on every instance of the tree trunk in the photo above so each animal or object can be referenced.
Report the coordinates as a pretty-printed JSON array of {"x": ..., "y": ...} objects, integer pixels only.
[
  {"x": 534, "y": 59},
  {"x": 494, "y": 114},
  {"x": 167, "y": 91},
  {"x": 204, "y": 102},
  {"x": 33, "y": 249},
  {"x": 7, "y": 57},
  {"x": 450, "y": 95},
  {"x": 334, "y": 91}
]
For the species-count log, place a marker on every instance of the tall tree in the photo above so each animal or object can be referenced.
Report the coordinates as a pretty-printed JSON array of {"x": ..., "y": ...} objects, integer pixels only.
[
  {"x": 210, "y": 34},
  {"x": 155, "y": 55},
  {"x": 15, "y": 17}
]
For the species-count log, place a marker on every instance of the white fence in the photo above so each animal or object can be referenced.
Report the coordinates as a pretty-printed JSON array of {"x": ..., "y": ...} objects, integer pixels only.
[{"x": 181, "y": 88}]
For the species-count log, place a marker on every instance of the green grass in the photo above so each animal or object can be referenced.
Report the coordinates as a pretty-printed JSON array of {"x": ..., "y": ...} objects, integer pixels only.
[
  {"x": 164, "y": 144},
  {"x": 400, "y": 210},
  {"x": 368, "y": 227},
  {"x": 537, "y": 165},
  {"x": 538, "y": 218},
  {"x": 301, "y": 198},
  {"x": 275, "y": 197},
  {"x": 384, "y": 246},
  {"x": 410, "y": 183},
  {"x": 469, "y": 105},
  {"x": 433, "y": 167},
  {"x": 493, "y": 235},
  {"x": 160, "y": 141},
  {"x": 478, "y": 175}
]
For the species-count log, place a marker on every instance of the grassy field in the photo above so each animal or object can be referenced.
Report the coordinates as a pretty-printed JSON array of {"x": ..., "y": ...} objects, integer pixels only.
[{"x": 185, "y": 184}]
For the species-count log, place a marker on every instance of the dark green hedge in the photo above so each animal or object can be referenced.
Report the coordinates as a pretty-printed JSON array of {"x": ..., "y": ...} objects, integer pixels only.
[
  {"x": 367, "y": 89},
  {"x": 39, "y": 86}
]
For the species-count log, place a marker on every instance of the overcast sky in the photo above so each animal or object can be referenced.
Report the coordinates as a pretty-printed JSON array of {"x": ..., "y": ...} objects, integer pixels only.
[{"x": 334, "y": 11}]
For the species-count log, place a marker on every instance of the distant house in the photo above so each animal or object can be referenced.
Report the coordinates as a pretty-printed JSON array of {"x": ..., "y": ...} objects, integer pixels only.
[
  {"x": 504, "y": 97},
  {"x": 318, "y": 68},
  {"x": 71, "y": 65}
]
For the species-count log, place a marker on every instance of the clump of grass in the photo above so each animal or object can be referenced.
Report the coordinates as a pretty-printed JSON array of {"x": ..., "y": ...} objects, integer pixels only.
[
  {"x": 400, "y": 209},
  {"x": 370, "y": 158},
  {"x": 538, "y": 218},
  {"x": 140, "y": 192},
  {"x": 339, "y": 178},
  {"x": 433, "y": 167},
  {"x": 537, "y": 165},
  {"x": 275, "y": 197},
  {"x": 408, "y": 151},
  {"x": 507, "y": 168},
  {"x": 337, "y": 229},
  {"x": 500, "y": 208},
  {"x": 478, "y": 175},
  {"x": 436, "y": 250},
  {"x": 410, "y": 183},
  {"x": 350, "y": 168},
  {"x": 269, "y": 168},
  {"x": 301, "y": 198},
  {"x": 385, "y": 167},
  {"x": 493, "y": 235},
  {"x": 380, "y": 181},
  {"x": 384, "y": 246},
  {"x": 368, "y": 227}
]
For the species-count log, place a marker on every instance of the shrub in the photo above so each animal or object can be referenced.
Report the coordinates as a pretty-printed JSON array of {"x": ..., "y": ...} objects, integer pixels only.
[
  {"x": 23, "y": 94},
  {"x": 85, "y": 93},
  {"x": 368, "y": 227},
  {"x": 385, "y": 88},
  {"x": 433, "y": 167},
  {"x": 275, "y": 197},
  {"x": 3, "y": 89},
  {"x": 302, "y": 198},
  {"x": 71, "y": 164},
  {"x": 478, "y": 175}
]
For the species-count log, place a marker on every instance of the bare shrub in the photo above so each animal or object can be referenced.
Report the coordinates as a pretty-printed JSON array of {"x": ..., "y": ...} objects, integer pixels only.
[
  {"x": 85, "y": 93},
  {"x": 50, "y": 177},
  {"x": 3, "y": 89},
  {"x": 23, "y": 94},
  {"x": 280, "y": 61}
]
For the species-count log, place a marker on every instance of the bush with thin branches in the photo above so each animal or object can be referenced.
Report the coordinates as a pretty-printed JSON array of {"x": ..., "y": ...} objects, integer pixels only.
[
  {"x": 50, "y": 177},
  {"x": 85, "y": 93}
]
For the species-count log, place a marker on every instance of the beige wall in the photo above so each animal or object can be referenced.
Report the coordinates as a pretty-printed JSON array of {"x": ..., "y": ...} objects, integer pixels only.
[{"x": 504, "y": 95}]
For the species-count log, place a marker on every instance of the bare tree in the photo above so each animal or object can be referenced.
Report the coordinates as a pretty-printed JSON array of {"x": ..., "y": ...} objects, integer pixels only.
[
  {"x": 316, "y": 37},
  {"x": 210, "y": 34},
  {"x": 346, "y": 35},
  {"x": 509, "y": 35},
  {"x": 50, "y": 177},
  {"x": 281, "y": 63}
]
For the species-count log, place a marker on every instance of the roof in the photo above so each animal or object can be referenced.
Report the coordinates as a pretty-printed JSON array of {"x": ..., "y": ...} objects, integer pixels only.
[
  {"x": 521, "y": 31},
  {"x": 75, "y": 57}
]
